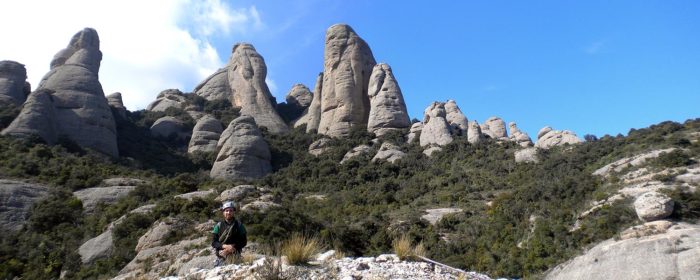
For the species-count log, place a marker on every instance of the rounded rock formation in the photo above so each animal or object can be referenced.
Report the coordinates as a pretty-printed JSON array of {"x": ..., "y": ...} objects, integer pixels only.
[
  {"x": 547, "y": 138},
  {"x": 387, "y": 108},
  {"x": 474, "y": 134},
  {"x": 14, "y": 87},
  {"x": 169, "y": 98},
  {"x": 495, "y": 128},
  {"x": 312, "y": 116},
  {"x": 518, "y": 136},
  {"x": 652, "y": 206},
  {"x": 205, "y": 135},
  {"x": 299, "y": 96},
  {"x": 457, "y": 120},
  {"x": 244, "y": 154},
  {"x": 435, "y": 131}
]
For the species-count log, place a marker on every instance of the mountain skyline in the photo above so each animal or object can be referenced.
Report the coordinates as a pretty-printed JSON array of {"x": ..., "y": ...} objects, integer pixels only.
[{"x": 593, "y": 68}]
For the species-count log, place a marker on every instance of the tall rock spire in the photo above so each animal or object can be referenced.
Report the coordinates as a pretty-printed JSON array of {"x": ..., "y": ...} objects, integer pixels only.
[{"x": 387, "y": 108}]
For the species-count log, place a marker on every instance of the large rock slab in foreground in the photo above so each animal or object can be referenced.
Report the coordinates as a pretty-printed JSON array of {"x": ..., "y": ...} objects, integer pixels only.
[
  {"x": 71, "y": 101},
  {"x": 347, "y": 66},
  {"x": 243, "y": 154},
  {"x": 14, "y": 87},
  {"x": 653, "y": 251},
  {"x": 16, "y": 199},
  {"x": 387, "y": 108},
  {"x": 242, "y": 81}
]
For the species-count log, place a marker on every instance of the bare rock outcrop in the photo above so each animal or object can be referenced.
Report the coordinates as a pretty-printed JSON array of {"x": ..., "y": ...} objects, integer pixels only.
[
  {"x": 548, "y": 137},
  {"x": 433, "y": 216},
  {"x": 115, "y": 101},
  {"x": 320, "y": 146},
  {"x": 242, "y": 81},
  {"x": 243, "y": 153},
  {"x": 74, "y": 104},
  {"x": 518, "y": 136},
  {"x": 299, "y": 96},
  {"x": 527, "y": 155},
  {"x": 16, "y": 200},
  {"x": 91, "y": 197},
  {"x": 474, "y": 134},
  {"x": 312, "y": 115},
  {"x": 169, "y": 98},
  {"x": 436, "y": 130},
  {"x": 654, "y": 252},
  {"x": 414, "y": 132},
  {"x": 457, "y": 120},
  {"x": 170, "y": 127},
  {"x": 387, "y": 108},
  {"x": 205, "y": 135},
  {"x": 389, "y": 152},
  {"x": 14, "y": 87},
  {"x": 357, "y": 151},
  {"x": 495, "y": 128},
  {"x": 652, "y": 206},
  {"x": 348, "y": 63}
]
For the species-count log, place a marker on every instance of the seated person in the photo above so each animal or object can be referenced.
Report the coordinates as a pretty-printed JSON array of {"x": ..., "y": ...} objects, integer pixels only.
[{"x": 230, "y": 236}]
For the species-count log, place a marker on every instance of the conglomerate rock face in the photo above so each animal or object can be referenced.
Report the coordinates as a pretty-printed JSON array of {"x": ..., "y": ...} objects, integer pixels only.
[
  {"x": 312, "y": 115},
  {"x": 16, "y": 200},
  {"x": 495, "y": 128},
  {"x": 243, "y": 153},
  {"x": 299, "y": 96},
  {"x": 348, "y": 63},
  {"x": 519, "y": 136},
  {"x": 387, "y": 108},
  {"x": 71, "y": 101},
  {"x": 548, "y": 137},
  {"x": 242, "y": 81},
  {"x": 14, "y": 87},
  {"x": 436, "y": 130},
  {"x": 169, "y": 98},
  {"x": 205, "y": 135},
  {"x": 457, "y": 120}
]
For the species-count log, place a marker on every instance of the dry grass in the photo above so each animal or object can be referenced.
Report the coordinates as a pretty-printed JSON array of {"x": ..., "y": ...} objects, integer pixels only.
[
  {"x": 301, "y": 249},
  {"x": 405, "y": 250}
]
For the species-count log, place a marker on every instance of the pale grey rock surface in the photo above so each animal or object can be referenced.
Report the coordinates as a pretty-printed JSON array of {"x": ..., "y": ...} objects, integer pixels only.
[
  {"x": 38, "y": 117},
  {"x": 320, "y": 146},
  {"x": 299, "y": 96},
  {"x": 527, "y": 155},
  {"x": 205, "y": 135},
  {"x": 122, "y": 181},
  {"x": 548, "y": 138},
  {"x": 387, "y": 110},
  {"x": 431, "y": 150},
  {"x": 389, "y": 152},
  {"x": 169, "y": 98},
  {"x": 243, "y": 153},
  {"x": 170, "y": 126},
  {"x": 158, "y": 232},
  {"x": 14, "y": 87},
  {"x": 457, "y": 120},
  {"x": 436, "y": 130},
  {"x": 671, "y": 253},
  {"x": 348, "y": 63},
  {"x": 91, "y": 197},
  {"x": 115, "y": 101},
  {"x": 75, "y": 105},
  {"x": 652, "y": 206},
  {"x": 518, "y": 136},
  {"x": 237, "y": 193},
  {"x": 414, "y": 132},
  {"x": 495, "y": 128},
  {"x": 359, "y": 150},
  {"x": 312, "y": 115},
  {"x": 242, "y": 81},
  {"x": 16, "y": 200},
  {"x": 196, "y": 194},
  {"x": 433, "y": 216},
  {"x": 474, "y": 134},
  {"x": 634, "y": 161}
]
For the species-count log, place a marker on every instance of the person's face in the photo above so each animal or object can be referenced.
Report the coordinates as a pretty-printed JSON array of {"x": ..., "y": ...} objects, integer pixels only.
[{"x": 228, "y": 214}]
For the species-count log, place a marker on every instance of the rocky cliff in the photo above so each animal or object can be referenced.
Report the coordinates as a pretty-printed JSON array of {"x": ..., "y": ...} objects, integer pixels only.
[
  {"x": 243, "y": 153},
  {"x": 14, "y": 87},
  {"x": 387, "y": 110}
]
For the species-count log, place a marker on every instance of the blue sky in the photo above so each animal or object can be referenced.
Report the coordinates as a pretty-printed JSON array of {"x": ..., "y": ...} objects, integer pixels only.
[{"x": 593, "y": 67}]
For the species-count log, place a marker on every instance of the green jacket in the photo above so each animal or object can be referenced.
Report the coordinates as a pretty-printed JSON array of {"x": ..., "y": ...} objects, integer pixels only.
[{"x": 229, "y": 233}]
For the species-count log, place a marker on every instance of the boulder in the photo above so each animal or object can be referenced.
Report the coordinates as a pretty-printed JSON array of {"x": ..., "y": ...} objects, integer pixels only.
[
  {"x": 389, "y": 152},
  {"x": 433, "y": 216},
  {"x": 387, "y": 110},
  {"x": 671, "y": 252},
  {"x": 242, "y": 81},
  {"x": 436, "y": 130},
  {"x": 495, "y": 128},
  {"x": 429, "y": 151},
  {"x": 72, "y": 100},
  {"x": 457, "y": 120},
  {"x": 91, "y": 197},
  {"x": 169, "y": 98},
  {"x": 652, "y": 206},
  {"x": 153, "y": 262},
  {"x": 237, "y": 193},
  {"x": 320, "y": 146},
  {"x": 158, "y": 233},
  {"x": 527, "y": 155},
  {"x": 243, "y": 153},
  {"x": 414, "y": 132},
  {"x": 359, "y": 150},
  {"x": 312, "y": 115},
  {"x": 299, "y": 96},
  {"x": 474, "y": 134},
  {"x": 548, "y": 138},
  {"x": 115, "y": 101},
  {"x": 196, "y": 194},
  {"x": 14, "y": 87},
  {"x": 16, "y": 200},
  {"x": 205, "y": 135},
  {"x": 518, "y": 136},
  {"x": 170, "y": 127},
  {"x": 348, "y": 63}
]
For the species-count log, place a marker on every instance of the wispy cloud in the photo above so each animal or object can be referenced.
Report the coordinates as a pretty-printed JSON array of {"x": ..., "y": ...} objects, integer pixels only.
[
  {"x": 159, "y": 45},
  {"x": 595, "y": 47}
]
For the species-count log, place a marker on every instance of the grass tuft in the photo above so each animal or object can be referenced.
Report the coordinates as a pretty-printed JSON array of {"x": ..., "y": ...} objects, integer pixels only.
[
  {"x": 405, "y": 250},
  {"x": 301, "y": 249}
]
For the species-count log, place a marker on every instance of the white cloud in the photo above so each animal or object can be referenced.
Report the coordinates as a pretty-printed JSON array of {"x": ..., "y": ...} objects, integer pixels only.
[{"x": 147, "y": 46}]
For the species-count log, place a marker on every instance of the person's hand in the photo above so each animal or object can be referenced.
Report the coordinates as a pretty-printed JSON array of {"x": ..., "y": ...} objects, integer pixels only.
[{"x": 228, "y": 249}]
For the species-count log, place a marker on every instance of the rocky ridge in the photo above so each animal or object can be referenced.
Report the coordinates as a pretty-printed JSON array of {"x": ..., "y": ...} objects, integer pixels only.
[{"x": 14, "y": 87}]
